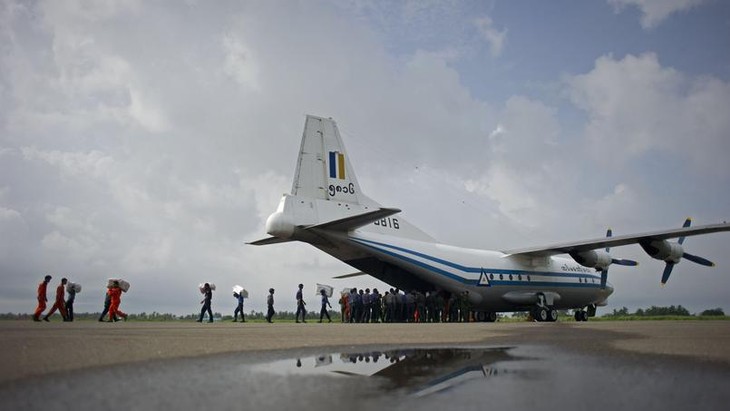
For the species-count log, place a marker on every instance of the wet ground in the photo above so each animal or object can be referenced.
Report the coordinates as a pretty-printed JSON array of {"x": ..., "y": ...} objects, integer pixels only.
[
  {"x": 543, "y": 368},
  {"x": 519, "y": 377}
]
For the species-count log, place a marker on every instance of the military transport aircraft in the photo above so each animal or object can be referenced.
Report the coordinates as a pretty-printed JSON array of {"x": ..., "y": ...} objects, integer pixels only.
[{"x": 327, "y": 209}]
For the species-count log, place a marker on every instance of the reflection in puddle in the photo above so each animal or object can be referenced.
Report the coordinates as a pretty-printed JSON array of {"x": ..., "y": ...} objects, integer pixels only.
[{"x": 417, "y": 371}]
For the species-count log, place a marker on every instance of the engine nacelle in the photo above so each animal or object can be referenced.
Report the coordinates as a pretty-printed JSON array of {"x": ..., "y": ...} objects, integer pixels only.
[
  {"x": 663, "y": 250},
  {"x": 593, "y": 258},
  {"x": 280, "y": 225}
]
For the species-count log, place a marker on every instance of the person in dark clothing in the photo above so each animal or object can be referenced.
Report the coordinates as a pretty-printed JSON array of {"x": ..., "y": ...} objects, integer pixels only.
[
  {"x": 366, "y": 306},
  {"x": 107, "y": 304},
  {"x": 71, "y": 290},
  {"x": 270, "y": 305},
  {"x": 239, "y": 308},
  {"x": 376, "y": 303},
  {"x": 206, "y": 304},
  {"x": 325, "y": 303},
  {"x": 360, "y": 302},
  {"x": 353, "y": 305},
  {"x": 300, "y": 305}
]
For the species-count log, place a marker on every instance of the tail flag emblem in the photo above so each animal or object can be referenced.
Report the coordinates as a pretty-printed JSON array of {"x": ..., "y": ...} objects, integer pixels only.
[{"x": 337, "y": 165}]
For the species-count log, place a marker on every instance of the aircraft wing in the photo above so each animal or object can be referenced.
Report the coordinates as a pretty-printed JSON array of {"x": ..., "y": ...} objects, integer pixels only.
[{"x": 603, "y": 242}]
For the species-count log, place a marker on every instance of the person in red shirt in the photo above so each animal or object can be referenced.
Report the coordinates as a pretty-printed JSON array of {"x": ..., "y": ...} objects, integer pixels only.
[
  {"x": 116, "y": 296},
  {"x": 42, "y": 298},
  {"x": 60, "y": 304}
]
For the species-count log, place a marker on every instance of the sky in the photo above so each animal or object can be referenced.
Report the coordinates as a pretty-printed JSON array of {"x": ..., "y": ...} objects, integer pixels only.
[{"x": 150, "y": 140}]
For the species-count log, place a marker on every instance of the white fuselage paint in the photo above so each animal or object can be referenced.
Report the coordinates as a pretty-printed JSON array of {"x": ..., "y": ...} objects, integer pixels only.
[{"x": 457, "y": 269}]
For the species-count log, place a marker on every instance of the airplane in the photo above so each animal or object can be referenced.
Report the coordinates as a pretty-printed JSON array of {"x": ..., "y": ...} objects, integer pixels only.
[{"x": 327, "y": 209}]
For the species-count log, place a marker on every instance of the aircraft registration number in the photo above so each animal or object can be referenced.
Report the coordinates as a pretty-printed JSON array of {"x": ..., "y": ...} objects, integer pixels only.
[{"x": 388, "y": 223}]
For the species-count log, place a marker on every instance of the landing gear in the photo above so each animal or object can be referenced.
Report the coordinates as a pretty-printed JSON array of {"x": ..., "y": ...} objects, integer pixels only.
[
  {"x": 543, "y": 310},
  {"x": 552, "y": 315},
  {"x": 545, "y": 314},
  {"x": 540, "y": 314},
  {"x": 581, "y": 315}
]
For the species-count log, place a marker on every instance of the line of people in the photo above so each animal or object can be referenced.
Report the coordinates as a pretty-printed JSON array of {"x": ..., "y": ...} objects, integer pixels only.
[
  {"x": 238, "y": 294},
  {"x": 357, "y": 306},
  {"x": 65, "y": 307}
]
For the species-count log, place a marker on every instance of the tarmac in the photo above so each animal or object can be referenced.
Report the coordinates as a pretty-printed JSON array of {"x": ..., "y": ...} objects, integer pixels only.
[{"x": 654, "y": 355}]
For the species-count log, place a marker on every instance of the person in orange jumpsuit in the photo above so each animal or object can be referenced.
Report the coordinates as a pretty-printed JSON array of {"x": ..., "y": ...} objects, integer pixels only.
[
  {"x": 60, "y": 303},
  {"x": 42, "y": 298},
  {"x": 116, "y": 295}
]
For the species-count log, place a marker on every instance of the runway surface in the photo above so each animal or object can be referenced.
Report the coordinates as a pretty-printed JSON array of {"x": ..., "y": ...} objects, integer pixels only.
[{"x": 87, "y": 365}]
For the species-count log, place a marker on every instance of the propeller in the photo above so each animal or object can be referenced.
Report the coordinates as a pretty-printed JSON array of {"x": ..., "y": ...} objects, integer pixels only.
[
  {"x": 619, "y": 261},
  {"x": 691, "y": 257}
]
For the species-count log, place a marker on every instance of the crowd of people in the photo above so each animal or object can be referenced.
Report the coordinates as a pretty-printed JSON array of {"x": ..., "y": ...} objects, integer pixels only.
[
  {"x": 357, "y": 305},
  {"x": 364, "y": 306}
]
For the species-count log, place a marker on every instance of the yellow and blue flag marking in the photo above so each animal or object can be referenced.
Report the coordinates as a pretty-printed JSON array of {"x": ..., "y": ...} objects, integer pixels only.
[{"x": 337, "y": 165}]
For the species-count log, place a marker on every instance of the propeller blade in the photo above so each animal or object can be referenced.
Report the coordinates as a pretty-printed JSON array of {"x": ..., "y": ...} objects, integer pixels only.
[
  {"x": 667, "y": 272},
  {"x": 609, "y": 233},
  {"x": 686, "y": 224},
  {"x": 604, "y": 277},
  {"x": 698, "y": 260},
  {"x": 623, "y": 261}
]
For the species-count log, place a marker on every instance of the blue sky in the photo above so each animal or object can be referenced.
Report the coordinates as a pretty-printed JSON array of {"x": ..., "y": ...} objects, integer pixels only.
[{"x": 150, "y": 140}]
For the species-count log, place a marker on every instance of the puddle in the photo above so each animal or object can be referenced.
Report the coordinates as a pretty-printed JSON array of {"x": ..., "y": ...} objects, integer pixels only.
[{"x": 417, "y": 372}]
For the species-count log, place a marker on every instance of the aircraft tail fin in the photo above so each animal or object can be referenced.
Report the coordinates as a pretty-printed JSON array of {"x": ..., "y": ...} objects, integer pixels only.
[{"x": 323, "y": 169}]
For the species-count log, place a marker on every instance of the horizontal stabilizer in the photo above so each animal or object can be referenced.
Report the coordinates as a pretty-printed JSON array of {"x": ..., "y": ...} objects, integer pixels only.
[
  {"x": 270, "y": 240},
  {"x": 357, "y": 274},
  {"x": 355, "y": 221}
]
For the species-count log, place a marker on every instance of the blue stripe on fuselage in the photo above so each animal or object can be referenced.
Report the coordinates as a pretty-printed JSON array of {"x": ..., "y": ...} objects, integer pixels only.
[{"x": 376, "y": 246}]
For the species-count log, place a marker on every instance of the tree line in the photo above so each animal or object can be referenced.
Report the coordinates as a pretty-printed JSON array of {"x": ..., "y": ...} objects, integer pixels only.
[{"x": 655, "y": 311}]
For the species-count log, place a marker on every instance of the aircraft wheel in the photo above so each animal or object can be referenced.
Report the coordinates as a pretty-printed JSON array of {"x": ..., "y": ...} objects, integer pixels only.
[
  {"x": 578, "y": 316},
  {"x": 481, "y": 316},
  {"x": 541, "y": 314},
  {"x": 552, "y": 315},
  {"x": 491, "y": 317},
  {"x": 583, "y": 316}
]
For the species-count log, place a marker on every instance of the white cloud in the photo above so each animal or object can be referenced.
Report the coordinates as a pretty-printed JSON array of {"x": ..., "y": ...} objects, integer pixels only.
[
  {"x": 149, "y": 115},
  {"x": 636, "y": 106},
  {"x": 240, "y": 63},
  {"x": 494, "y": 37},
  {"x": 91, "y": 164},
  {"x": 655, "y": 11},
  {"x": 499, "y": 131}
]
